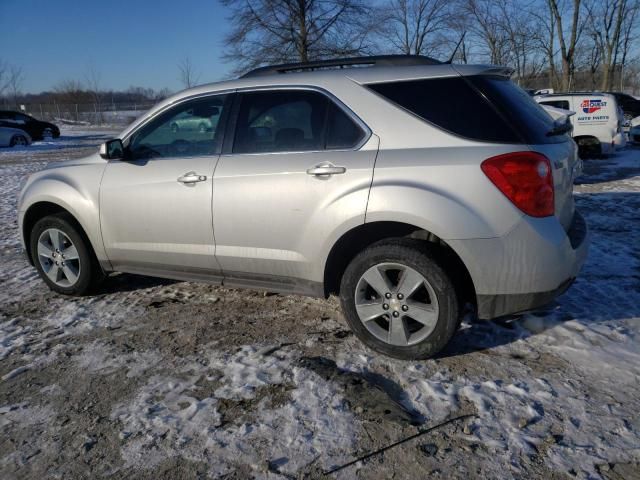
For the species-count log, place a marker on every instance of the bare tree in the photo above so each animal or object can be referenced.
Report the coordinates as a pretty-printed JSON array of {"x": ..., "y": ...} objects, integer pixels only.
[
  {"x": 4, "y": 68},
  {"x": 15, "y": 78},
  {"x": 567, "y": 45},
  {"x": 545, "y": 36},
  {"x": 71, "y": 92},
  {"x": 275, "y": 31},
  {"x": 411, "y": 25},
  {"x": 519, "y": 29},
  {"x": 630, "y": 35},
  {"x": 93, "y": 78},
  {"x": 485, "y": 25},
  {"x": 605, "y": 22},
  {"x": 188, "y": 74}
]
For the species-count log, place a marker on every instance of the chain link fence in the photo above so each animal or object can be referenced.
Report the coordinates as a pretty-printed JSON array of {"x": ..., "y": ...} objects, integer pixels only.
[{"x": 84, "y": 113}]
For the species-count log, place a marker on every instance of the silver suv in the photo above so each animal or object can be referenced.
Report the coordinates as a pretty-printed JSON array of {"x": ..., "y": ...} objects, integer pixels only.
[{"x": 412, "y": 189}]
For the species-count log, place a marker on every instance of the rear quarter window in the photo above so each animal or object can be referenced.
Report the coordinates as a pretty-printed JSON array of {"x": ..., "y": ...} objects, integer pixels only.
[{"x": 480, "y": 107}]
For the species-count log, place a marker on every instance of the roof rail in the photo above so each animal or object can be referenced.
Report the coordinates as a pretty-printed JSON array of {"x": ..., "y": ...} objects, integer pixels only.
[{"x": 380, "y": 60}]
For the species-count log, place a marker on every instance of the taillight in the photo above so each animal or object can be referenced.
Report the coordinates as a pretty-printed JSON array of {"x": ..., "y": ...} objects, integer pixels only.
[{"x": 525, "y": 178}]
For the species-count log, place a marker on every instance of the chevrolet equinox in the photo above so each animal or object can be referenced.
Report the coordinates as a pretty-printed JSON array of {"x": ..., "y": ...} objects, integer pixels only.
[{"x": 413, "y": 189}]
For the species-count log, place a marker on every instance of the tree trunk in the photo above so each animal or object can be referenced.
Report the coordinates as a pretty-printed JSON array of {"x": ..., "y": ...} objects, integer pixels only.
[{"x": 303, "y": 45}]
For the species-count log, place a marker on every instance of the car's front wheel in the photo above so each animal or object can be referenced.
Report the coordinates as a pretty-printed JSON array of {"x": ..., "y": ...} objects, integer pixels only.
[
  {"x": 63, "y": 257},
  {"x": 399, "y": 301},
  {"x": 19, "y": 141}
]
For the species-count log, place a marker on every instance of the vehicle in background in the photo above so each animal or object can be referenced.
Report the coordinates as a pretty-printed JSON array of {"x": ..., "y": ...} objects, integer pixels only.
[
  {"x": 562, "y": 122},
  {"x": 13, "y": 137},
  {"x": 597, "y": 125},
  {"x": 634, "y": 131},
  {"x": 37, "y": 129},
  {"x": 322, "y": 179},
  {"x": 198, "y": 119},
  {"x": 629, "y": 105},
  {"x": 533, "y": 92},
  {"x": 560, "y": 115}
]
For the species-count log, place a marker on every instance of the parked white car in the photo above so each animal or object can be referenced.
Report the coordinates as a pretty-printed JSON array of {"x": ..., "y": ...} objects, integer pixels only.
[
  {"x": 11, "y": 137},
  {"x": 634, "y": 131},
  {"x": 597, "y": 125}
]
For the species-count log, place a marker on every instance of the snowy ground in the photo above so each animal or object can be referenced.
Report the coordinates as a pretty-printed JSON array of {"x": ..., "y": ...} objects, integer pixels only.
[{"x": 158, "y": 379}]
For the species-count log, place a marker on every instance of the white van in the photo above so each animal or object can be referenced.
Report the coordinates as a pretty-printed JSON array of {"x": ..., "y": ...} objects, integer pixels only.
[{"x": 597, "y": 124}]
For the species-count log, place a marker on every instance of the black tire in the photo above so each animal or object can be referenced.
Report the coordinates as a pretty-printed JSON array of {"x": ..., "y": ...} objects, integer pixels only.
[
  {"x": 413, "y": 254},
  {"x": 18, "y": 140},
  {"x": 589, "y": 149},
  {"x": 90, "y": 274}
]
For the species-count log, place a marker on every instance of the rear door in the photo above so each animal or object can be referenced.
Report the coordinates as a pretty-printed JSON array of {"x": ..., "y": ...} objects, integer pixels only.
[{"x": 298, "y": 167}]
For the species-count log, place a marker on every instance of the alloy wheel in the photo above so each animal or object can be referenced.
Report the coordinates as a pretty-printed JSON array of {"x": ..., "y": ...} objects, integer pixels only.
[
  {"x": 396, "y": 304},
  {"x": 58, "y": 257}
]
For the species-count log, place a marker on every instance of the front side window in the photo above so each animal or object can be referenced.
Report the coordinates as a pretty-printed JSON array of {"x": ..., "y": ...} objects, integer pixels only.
[
  {"x": 20, "y": 117},
  {"x": 190, "y": 129},
  {"x": 292, "y": 121}
]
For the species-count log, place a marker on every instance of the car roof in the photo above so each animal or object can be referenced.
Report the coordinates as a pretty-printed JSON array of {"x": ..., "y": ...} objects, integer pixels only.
[{"x": 324, "y": 78}]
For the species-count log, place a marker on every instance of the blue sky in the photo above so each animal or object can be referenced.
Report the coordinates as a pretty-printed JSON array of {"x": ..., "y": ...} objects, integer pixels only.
[{"x": 130, "y": 42}]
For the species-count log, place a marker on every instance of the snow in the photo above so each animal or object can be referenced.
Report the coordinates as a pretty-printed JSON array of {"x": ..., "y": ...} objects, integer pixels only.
[
  {"x": 558, "y": 388},
  {"x": 313, "y": 425}
]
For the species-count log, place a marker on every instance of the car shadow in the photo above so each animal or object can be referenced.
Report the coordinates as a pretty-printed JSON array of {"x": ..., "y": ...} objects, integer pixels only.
[{"x": 128, "y": 282}]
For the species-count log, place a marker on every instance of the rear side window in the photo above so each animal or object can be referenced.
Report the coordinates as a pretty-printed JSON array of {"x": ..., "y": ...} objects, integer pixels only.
[
  {"x": 564, "y": 104},
  {"x": 484, "y": 108},
  {"x": 292, "y": 121}
]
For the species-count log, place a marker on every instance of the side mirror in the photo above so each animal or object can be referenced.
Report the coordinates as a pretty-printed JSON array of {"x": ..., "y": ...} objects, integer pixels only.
[{"x": 112, "y": 149}]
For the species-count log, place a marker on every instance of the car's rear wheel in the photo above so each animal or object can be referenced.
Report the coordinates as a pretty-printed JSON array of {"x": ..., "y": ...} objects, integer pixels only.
[
  {"x": 589, "y": 147},
  {"x": 399, "y": 301},
  {"x": 63, "y": 257},
  {"x": 18, "y": 140}
]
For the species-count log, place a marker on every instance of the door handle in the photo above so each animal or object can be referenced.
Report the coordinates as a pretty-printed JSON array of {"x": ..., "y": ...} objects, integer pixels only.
[
  {"x": 192, "y": 177},
  {"x": 326, "y": 169}
]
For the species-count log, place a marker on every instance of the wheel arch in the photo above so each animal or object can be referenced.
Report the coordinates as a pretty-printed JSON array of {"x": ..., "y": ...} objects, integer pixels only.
[
  {"x": 15, "y": 136},
  {"x": 362, "y": 236},
  {"x": 42, "y": 209}
]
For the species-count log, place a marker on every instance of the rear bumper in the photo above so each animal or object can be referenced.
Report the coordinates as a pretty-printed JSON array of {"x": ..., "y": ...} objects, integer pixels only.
[
  {"x": 492, "y": 306},
  {"x": 527, "y": 268},
  {"x": 620, "y": 141}
]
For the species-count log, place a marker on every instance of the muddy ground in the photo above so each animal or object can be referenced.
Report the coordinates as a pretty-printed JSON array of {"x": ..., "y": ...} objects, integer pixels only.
[{"x": 158, "y": 379}]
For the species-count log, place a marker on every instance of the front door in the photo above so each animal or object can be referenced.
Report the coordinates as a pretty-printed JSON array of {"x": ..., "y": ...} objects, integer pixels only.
[{"x": 155, "y": 205}]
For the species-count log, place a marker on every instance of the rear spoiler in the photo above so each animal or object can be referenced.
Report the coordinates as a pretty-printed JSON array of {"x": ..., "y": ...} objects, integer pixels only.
[{"x": 495, "y": 70}]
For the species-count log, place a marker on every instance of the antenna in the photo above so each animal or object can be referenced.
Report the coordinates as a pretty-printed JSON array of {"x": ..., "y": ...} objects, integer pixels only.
[{"x": 455, "y": 50}]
